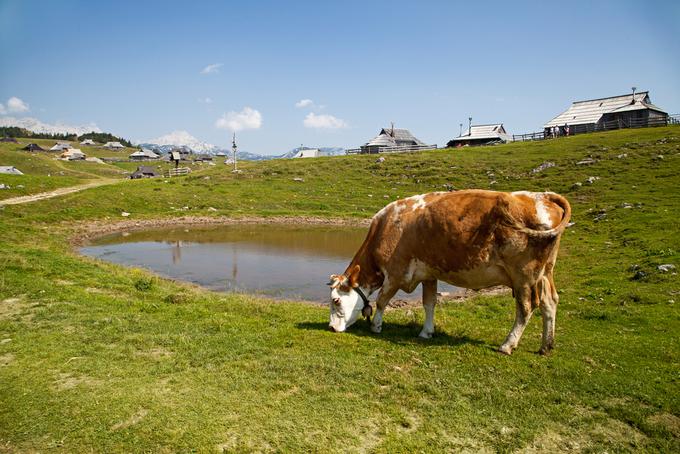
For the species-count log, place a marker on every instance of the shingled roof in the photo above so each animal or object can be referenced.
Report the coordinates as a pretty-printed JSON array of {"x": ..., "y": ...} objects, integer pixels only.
[{"x": 481, "y": 132}]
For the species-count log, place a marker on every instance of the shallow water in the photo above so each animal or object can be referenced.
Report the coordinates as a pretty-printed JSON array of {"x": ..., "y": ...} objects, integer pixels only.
[{"x": 287, "y": 262}]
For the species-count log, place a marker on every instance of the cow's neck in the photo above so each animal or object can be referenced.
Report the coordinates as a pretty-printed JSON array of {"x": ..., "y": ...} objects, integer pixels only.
[{"x": 370, "y": 277}]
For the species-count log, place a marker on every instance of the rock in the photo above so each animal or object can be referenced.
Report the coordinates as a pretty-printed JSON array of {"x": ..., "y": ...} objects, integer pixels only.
[
  {"x": 380, "y": 160},
  {"x": 491, "y": 183},
  {"x": 4, "y": 186},
  {"x": 206, "y": 177},
  {"x": 212, "y": 209},
  {"x": 542, "y": 167},
  {"x": 622, "y": 156},
  {"x": 626, "y": 205},
  {"x": 299, "y": 180},
  {"x": 658, "y": 157},
  {"x": 370, "y": 195},
  {"x": 576, "y": 185},
  {"x": 600, "y": 216},
  {"x": 586, "y": 162},
  {"x": 20, "y": 186},
  {"x": 386, "y": 196},
  {"x": 666, "y": 267},
  {"x": 125, "y": 214},
  {"x": 634, "y": 267},
  {"x": 591, "y": 180},
  {"x": 639, "y": 275}
]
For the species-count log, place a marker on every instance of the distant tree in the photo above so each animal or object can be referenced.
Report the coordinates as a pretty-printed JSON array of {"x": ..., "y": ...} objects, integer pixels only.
[{"x": 103, "y": 137}]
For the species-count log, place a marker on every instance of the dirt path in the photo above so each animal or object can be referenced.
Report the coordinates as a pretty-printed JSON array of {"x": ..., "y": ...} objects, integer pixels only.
[{"x": 57, "y": 192}]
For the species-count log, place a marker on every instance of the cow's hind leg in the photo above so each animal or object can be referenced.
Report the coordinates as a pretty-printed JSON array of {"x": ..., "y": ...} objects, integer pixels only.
[
  {"x": 524, "y": 308},
  {"x": 384, "y": 297},
  {"x": 549, "y": 299},
  {"x": 429, "y": 302}
]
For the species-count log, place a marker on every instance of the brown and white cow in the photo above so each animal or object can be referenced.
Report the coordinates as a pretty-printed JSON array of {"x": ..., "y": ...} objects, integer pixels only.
[{"x": 473, "y": 239}]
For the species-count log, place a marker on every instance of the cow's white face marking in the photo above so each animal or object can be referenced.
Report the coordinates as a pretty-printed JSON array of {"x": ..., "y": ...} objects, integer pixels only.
[{"x": 346, "y": 305}]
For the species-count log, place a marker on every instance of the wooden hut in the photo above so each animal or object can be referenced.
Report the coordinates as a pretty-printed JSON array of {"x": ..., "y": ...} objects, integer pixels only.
[{"x": 625, "y": 111}]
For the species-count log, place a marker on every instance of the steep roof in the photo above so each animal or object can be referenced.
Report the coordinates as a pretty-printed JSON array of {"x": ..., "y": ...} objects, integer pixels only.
[
  {"x": 401, "y": 135},
  {"x": 381, "y": 140},
  {"x": 482, "y": 132},
  {"x": 144, "y": 171},
  {"x": 307, "y": 153},
  {"x": 144, "y": 153},
  {"x": 10, "y": 170},
  {"x": 591, "y": 110},
  {"x": 114, "y": 145},
  {"x": 33, "y": 147},
  {"x": 59, "y": 146}
]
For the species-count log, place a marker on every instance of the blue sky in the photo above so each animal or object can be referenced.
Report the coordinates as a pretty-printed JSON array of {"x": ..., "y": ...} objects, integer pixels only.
[{"x": 138, "y": 69}]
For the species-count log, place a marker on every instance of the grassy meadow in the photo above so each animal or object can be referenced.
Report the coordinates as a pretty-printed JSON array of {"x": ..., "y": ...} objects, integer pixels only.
[{"x": 98, "y": 357}]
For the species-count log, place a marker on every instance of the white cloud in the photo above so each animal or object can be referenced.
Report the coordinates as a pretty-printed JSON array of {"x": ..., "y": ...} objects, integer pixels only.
[
  {"x": 248, "y": 118},
  {"x": 323, "y": 121},
  {"x": 304, "y": 103},
  {"x": 212, "y": 69},
  {"x": 206, "y": 100},
  {"x": 2, "y": 110},
  {"x": 16, "y": 105},
  {"x": 36, "y": 125}
]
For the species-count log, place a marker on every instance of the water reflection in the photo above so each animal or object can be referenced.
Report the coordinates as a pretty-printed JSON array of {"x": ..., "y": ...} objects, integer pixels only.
[{"x": 278, "y": 261}]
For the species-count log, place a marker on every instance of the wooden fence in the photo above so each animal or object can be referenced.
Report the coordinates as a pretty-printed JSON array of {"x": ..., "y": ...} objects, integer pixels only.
[
  {"x": 604, "y": 126},
  {"x": 396, "y": 149},
  {"x": 179, "y": 171}
]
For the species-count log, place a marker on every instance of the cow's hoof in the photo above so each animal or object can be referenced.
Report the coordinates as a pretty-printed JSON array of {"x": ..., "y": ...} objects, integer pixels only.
[
  {"x": 505, "y": 349},
  {"x": 425, "y": 335},
  {"x": 376, "y": 329},
  {"x": 545, "y": 351}
]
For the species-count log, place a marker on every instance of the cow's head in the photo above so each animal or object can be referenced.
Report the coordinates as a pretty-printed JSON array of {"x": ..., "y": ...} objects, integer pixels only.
[{"x": 346, "y": 303}]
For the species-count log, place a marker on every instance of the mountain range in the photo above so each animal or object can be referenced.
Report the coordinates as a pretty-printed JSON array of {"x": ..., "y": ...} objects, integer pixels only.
[{"x": 184, "y": 140}]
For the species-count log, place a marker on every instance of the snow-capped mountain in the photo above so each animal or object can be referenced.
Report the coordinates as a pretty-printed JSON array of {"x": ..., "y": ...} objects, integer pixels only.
[
  {"x": 179, "y": 139},
  {"x": 35, "y": 125}
]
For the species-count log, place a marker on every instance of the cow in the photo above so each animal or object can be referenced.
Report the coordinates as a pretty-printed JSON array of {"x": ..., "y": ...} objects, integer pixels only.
[{"x": 473, "y": 239}]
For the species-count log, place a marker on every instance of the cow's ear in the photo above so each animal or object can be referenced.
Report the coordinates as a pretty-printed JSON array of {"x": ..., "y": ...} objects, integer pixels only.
[
  {"x": 354, "y": 276},
  {"x": 333, "y": 280}
]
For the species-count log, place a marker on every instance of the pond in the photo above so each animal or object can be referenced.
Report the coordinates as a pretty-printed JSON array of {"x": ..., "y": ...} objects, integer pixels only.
[{"x": 277, "y": 261}]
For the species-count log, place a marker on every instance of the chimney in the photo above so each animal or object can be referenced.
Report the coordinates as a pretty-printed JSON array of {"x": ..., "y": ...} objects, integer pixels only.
[
  {"x": 633, "y": 101},
  {"x": 392, "y": 131},
  {"x": 469, "y": 126}
]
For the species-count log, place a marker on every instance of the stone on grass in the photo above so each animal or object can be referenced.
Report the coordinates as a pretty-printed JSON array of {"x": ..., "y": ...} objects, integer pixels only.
[
  {"x": 125, "y": 214},
  {"x": 666, "y": 267},
  {"x": 542, "y": 167}
]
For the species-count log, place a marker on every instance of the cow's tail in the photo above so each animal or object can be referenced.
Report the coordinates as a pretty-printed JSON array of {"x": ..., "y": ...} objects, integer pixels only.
[{"x": 559, "y": 228}]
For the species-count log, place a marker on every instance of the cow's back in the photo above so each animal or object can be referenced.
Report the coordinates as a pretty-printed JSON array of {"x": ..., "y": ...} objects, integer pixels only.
[{"x": 461, "y": 237}]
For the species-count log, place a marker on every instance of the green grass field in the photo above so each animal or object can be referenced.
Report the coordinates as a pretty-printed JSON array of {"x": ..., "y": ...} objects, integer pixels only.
[{"x": 97, "y": 357}]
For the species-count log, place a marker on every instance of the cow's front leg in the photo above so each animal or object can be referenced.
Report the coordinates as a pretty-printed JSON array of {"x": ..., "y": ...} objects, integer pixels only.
[
  {"x": 384, "y": 297},
  {"x": 522, "y": 316},
  {"x": 429, "y": 302}
]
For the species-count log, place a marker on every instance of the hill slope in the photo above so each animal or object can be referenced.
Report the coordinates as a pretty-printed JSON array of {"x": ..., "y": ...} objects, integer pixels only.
[{"x": 123, "y": 360}]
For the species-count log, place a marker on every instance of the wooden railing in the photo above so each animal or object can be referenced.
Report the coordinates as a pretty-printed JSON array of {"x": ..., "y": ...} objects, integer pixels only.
[
  {"x": 179, "y": 171},
  {"x": 396, "y": 149},
  {"x": 610, "y": 125},
  {"x": 528, "y": 137}
]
